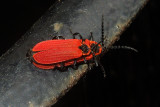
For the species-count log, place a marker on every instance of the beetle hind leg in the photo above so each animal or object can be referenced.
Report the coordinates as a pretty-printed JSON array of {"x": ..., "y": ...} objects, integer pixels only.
[
  {"x": 29, "y": 55},
  {"x": 58, "y": 37},
  {"x": 75, "y": 65},
  {"x": 62, "y": 67}
]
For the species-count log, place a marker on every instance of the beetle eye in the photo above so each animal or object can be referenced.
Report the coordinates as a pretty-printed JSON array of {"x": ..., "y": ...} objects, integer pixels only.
[{"x": 95, "y": 48}]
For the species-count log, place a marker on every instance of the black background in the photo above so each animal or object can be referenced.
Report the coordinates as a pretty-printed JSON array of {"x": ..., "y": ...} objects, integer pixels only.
[{"x": 132, "y": 78}]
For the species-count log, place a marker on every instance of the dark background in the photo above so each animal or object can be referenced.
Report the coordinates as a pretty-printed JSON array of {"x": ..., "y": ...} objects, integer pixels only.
[{"x": 132, "y": 78}]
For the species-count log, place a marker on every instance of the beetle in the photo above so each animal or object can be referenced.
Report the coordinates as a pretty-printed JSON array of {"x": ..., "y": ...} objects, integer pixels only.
[{"x": 60, "y": 52}]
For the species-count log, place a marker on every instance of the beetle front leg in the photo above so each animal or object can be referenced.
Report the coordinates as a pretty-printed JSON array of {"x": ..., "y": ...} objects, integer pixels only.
[
  {"x": 85, "y": 61},
  {"x": 103, "y": 70},
  {"x": 96, "y": 62},
  {"x": 95, "y": 59},
  {"x": 91, "y": 37},
  {"x": 89, "y": 66}
]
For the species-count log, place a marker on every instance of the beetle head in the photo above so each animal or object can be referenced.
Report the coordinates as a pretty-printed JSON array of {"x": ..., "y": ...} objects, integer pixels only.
[{"x": 96, "y": 48}]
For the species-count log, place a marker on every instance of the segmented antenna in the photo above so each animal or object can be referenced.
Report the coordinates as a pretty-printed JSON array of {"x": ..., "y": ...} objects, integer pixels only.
[
  {"x": 102, "y": 31},
  {"x": 124, "y": 47}
]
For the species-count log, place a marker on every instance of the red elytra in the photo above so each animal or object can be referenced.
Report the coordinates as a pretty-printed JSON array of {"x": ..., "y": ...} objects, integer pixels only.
[{"x": 52, "y": 53}]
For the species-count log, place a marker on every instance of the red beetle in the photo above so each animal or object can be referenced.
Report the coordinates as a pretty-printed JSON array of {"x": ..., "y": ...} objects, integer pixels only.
[{"x": 64, "y": 52}]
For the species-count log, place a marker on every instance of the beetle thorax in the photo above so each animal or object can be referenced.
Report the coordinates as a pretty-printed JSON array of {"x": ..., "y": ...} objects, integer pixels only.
[{"x": 84, "y": 48}]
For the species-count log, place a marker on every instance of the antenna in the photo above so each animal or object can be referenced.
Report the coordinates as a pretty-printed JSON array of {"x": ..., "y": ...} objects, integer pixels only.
[
  {"x": 102, "y": 30},
  {"x": 124, "y": 47}
]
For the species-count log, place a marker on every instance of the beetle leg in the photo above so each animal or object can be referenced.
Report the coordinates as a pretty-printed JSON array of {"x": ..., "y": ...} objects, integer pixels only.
[
  {"x": 58, "y": 37},
  {"x": 29, "y": 55},
  {"x": 74, "y": 65},
  {"x": 96, "y": 62},
  {"x": 85, "y": 61},
  {"x": 61, "y": 37},
  {"x": 62, "y": 66},
  {"x": 94, "y": 58},
  {"x": 91, "y": 37},
  {"x": 77, "y": 34},
  {"x": 71, "y": 31},
  {"x": 103, "y": 70},
  {"x": 55, "y": 37},
  {"x": 89, "y": 66}
]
